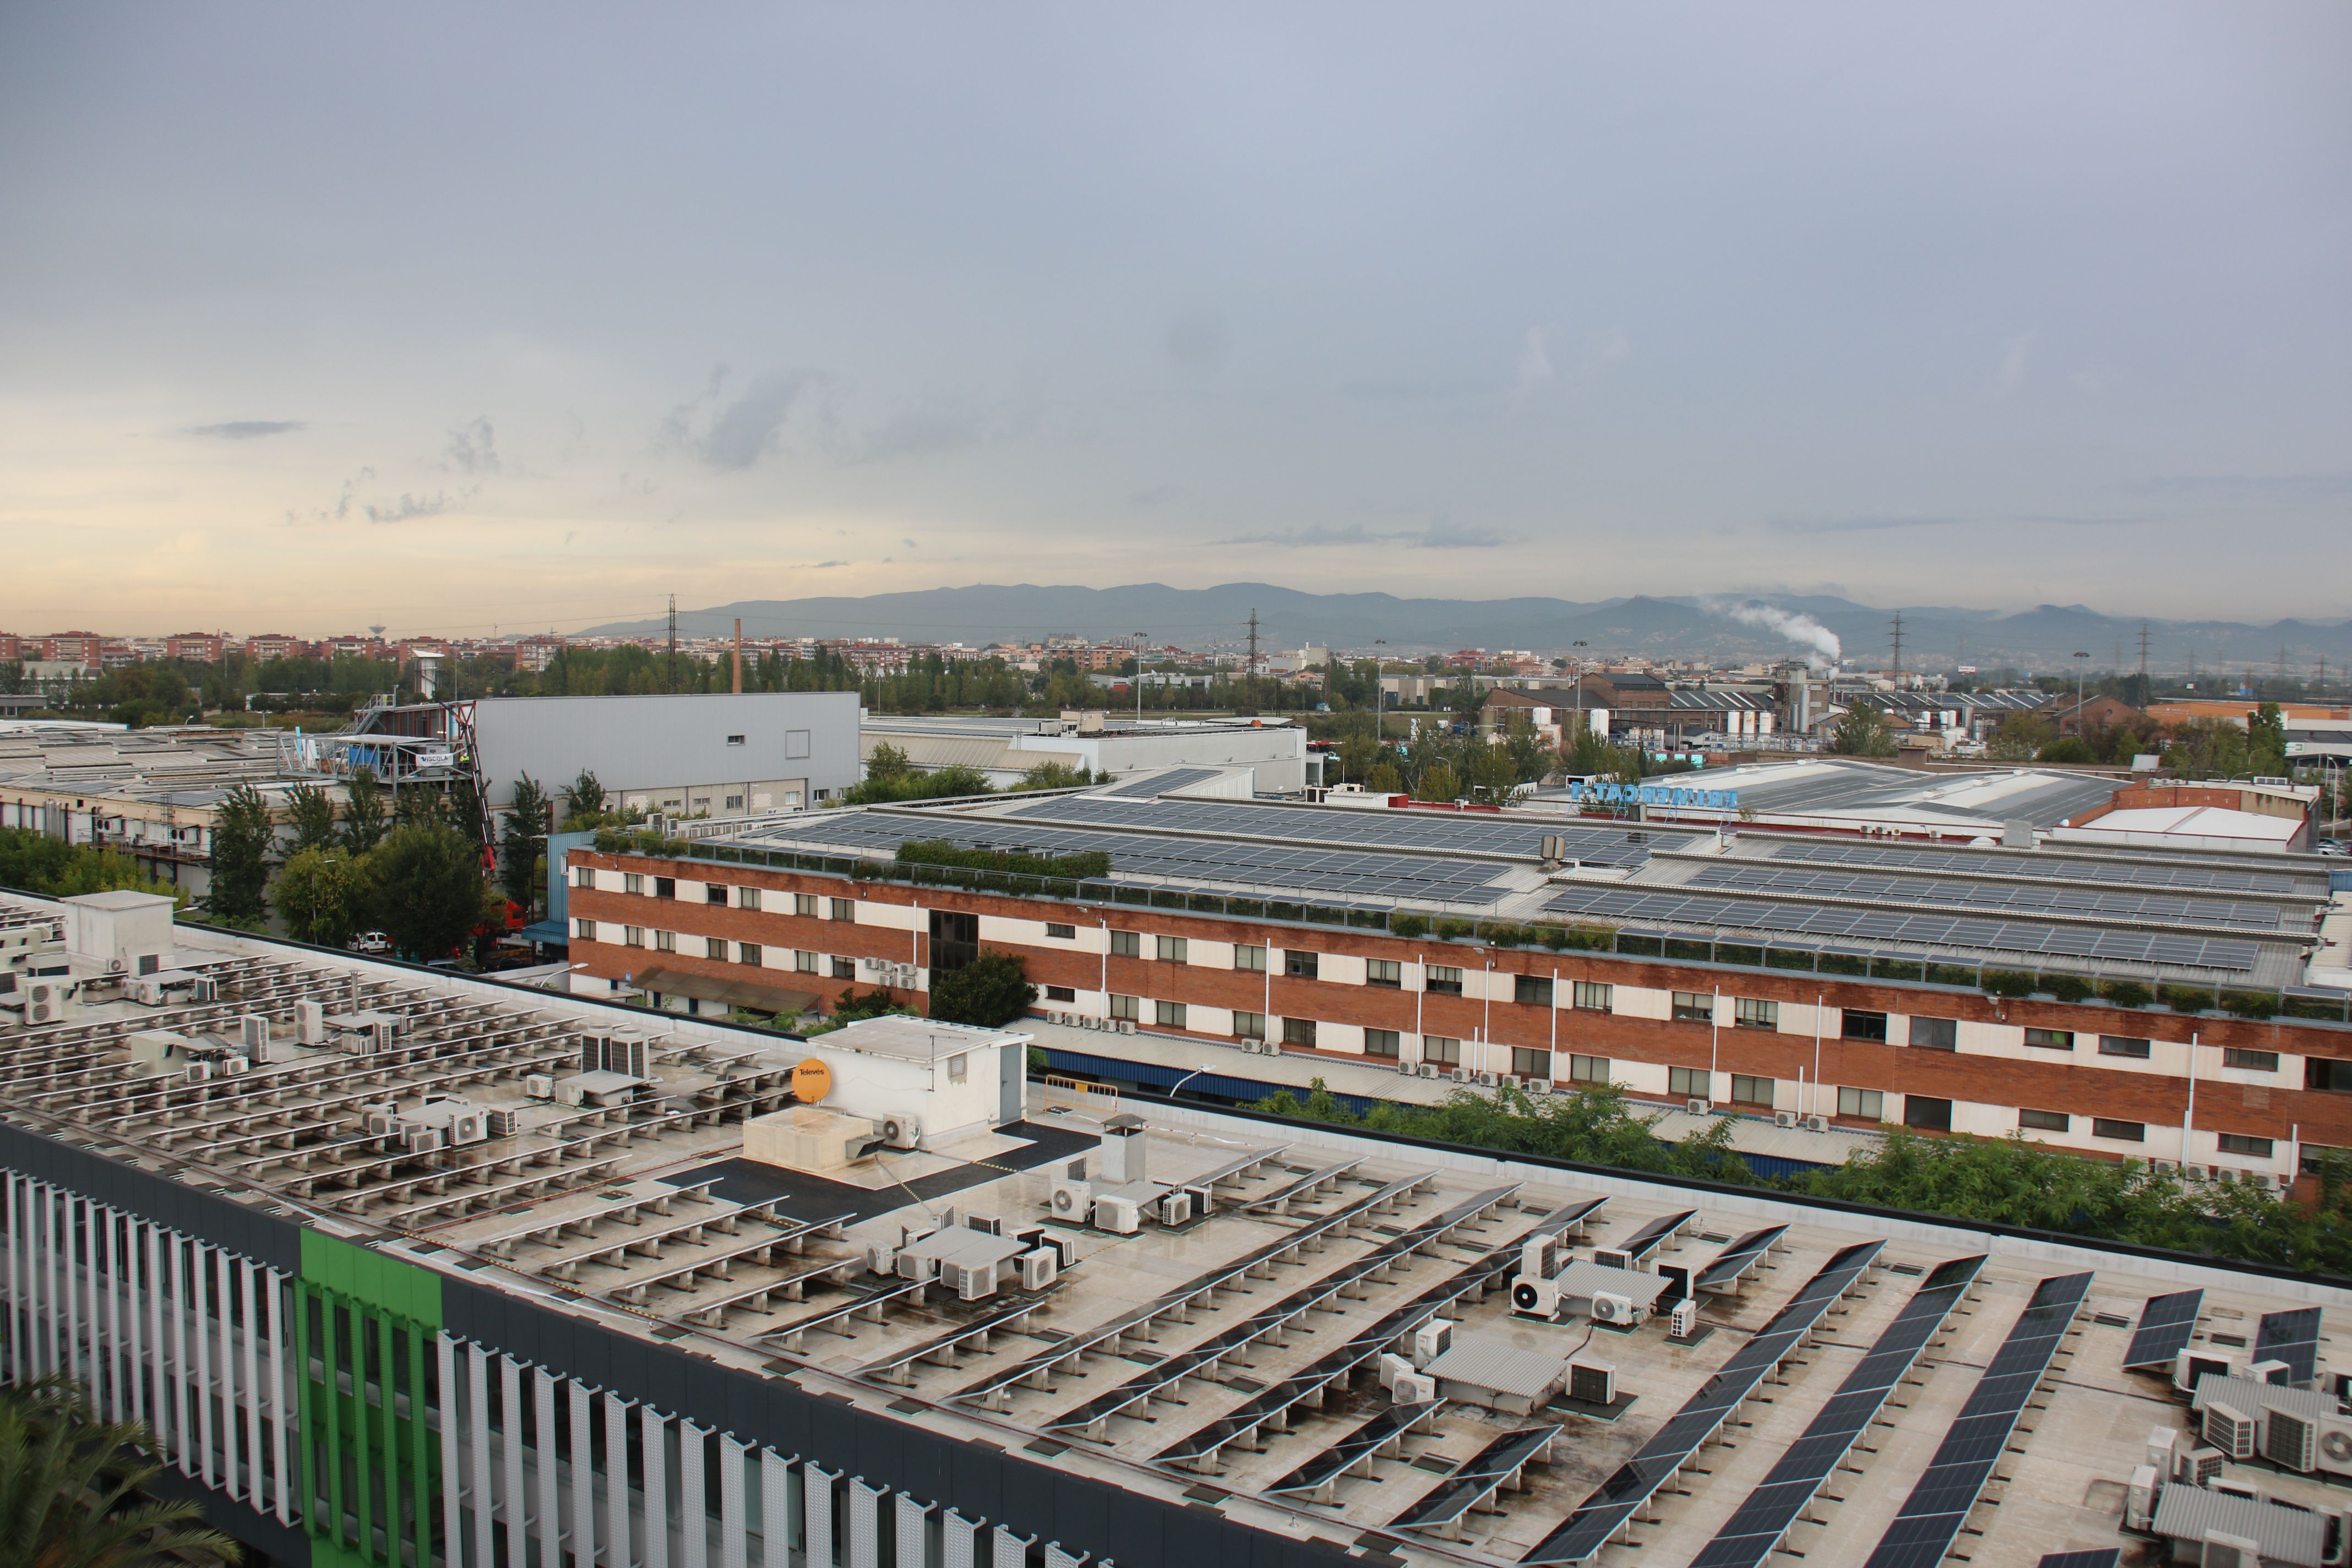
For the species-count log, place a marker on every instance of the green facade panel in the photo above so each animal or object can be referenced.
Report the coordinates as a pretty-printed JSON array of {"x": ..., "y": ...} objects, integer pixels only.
[{"x": 365, "y": 1325}]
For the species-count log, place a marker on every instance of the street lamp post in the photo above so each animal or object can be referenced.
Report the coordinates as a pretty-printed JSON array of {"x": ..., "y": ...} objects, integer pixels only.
[
  {"x": 1188, "y": 1078},
  {"x": 2079, "y": 668}
]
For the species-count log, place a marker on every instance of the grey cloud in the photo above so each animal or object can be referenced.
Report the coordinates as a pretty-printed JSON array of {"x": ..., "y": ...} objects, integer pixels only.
[
  {"x": 1855, "y": 524},
  {"x": 407, "y": 507},
  {"x": 914, "y": 433},
  {"x": 1441, "y": 534},
  {"x": 1317, "y": 535},
  {"x": 249, "y": 429},
  {"x": 474, "y": 449},
  {"x": 1154, "y": 496},
  {"x": 748, "y": 429}
]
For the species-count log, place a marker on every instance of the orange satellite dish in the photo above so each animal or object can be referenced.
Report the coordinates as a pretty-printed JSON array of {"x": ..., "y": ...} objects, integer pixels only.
[{"x": 811, "y": 1081}]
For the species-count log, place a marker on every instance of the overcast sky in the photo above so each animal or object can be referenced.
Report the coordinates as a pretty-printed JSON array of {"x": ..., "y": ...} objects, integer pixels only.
[{"x": 526, "y": 316}]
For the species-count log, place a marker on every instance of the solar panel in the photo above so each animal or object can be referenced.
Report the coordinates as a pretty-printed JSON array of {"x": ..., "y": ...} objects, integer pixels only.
[
  {"x": 2096, "y": 1557},
  {"x": 2042, "y": 865},
  {"x": 1931, "y": 1517},
  {"x": 1764, "y": 1516},
  {"x": 2165, "y": 1325},
  {"x": 2023, "y": 897},
  {"x": 1318, "y": 1477},
  {"x": 1723, "y": 1270},
  {"x": 1585, "y": 1531},
  {"x": 1163, "y": 783},
  {"x": 1476, "y": 1478},
  {"x": 2292, "y": 1338},
  {"x": 1645, "y": 1239}
]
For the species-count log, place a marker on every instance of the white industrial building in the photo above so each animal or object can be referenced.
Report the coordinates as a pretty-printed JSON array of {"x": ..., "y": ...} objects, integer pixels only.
[{"x": 1106, "y": 744}]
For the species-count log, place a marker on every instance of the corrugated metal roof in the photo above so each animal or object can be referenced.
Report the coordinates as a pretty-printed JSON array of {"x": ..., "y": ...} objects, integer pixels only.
[
  {"x": 1485, "y": 1363},
  {"x": 2287, "y": 1535}
]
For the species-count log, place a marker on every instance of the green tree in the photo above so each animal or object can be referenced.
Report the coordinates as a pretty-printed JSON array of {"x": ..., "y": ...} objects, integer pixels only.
[
  {"x": 1054, "y": 775},
  {"x": 324, "y": 895},
  {"x": 53, "y": 868},
  {"x": 1863, "y": 732},
  {"x": 2209, "y": 749},
  {"x": 311, "y": 811},
  {"x": 1382, "y": 778},
  {"x": 2067, "y": 750},
  {"x": 522, "y": 842},
  {"x": 243, "y": 839},
  {"x": 73, "y": 1488},
  {"x": 991, "y": 990},
  {"x": 584, "y": 803},
  {"x": 2266, "y": 741},
  {"x": 2020, "y": 737},
  {"x": 1437, "y": 783},
  {"x": 428, "y": 886},
  {"x": 363, "y": 811}
]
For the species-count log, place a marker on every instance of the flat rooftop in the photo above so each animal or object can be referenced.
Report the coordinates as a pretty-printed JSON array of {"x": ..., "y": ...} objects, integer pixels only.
[{"x": 1232, "y": 1356}]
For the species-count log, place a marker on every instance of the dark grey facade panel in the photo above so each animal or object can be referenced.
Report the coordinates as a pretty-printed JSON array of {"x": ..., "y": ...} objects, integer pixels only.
[
  {"x": 239, "y": 1227},
  {"x": 285, "y": 1543}
]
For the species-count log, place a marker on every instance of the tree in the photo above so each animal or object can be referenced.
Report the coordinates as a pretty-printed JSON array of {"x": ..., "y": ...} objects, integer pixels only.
[
  {"x": 243, "y": 837},
  {"x": 73, "y": 1488},
  {"x": 522, "y": 842},
  {"x": 2067, "y": 749},
  {"x": 1863, "y": 732},
  {"x": 428, "y": 882},
  {"x": 1437, "y": 783},
  {"x": 312, "y": 810},
  {"x": 363, "y": 824},
  {"x": 40, "y": 863},
  {"x": 2020, "y": 737},
  {"x": 1054, "y": 775},
  {"x": 2266, "y": 741},
  {"x": 324, "y": 896},
  {"x": 584, "y": 802},
  {"x": 991, "y": 990}
]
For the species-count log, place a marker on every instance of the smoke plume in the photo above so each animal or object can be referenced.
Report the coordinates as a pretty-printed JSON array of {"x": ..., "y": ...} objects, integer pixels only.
[{"x": 1797, "y": 628}]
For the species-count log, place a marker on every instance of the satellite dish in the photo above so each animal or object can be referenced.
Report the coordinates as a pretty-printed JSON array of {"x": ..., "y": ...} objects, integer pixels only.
[{"x": 811, "y": 1081}]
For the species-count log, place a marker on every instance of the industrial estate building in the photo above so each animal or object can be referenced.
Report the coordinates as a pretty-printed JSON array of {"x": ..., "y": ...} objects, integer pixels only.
[
  {"x": 1827, "y": 980},
  {"x": 1109, "y": 746},
  {"x": 409, "y": 1268}
]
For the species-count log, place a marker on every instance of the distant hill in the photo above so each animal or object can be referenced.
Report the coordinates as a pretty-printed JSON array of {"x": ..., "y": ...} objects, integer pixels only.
[{"x": 1934, "y": 636}]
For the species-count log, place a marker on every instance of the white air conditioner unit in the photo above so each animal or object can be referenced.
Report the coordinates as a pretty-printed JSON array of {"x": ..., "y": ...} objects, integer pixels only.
[
  {"x": 1072, "y": 1200},
  {"x": 1697, "y": 1107},
  {"x": 198, "y": 1072},
  {"x": 1414, "y": 1388},
  {"x": 919, "y": 1270},
  {"x": 1127, "y": 1025},
  {"x": 1535, "y": 1297},
  {"x": 1485, "y": 1079},
  {"x": 2229, "y": 1430},
  {"x": 1459, "y": 1074},
  {"x": 204, "y": 988},
  {"x": 1405, "y": 1068},
  {"x": 2190, "y": 1366},
  {"x": 1392, "y": 1366},
  {"x": 48, "y": 1002},
  {"x": 1817, "y": 1123},
  {"x": 424, "y": 1140},
  {"x": 2221, "y": 1550},
  {"x": 231, "y": 1066},
  {"x": 2272, "y": 1372},
  {"x": 1682, "y": 1321},
  {"x": 1432, "y": 1340},
  {"x": 1611, "y": 1257},
  {"x": 902, "y": 1131},
  {"x": 2333, "y": 1451},
  {"x": 539, "y": 1086},
  {"x": 2140, "y": 1497},
  {"x": 1590, "y": 1383},
  {"x": 1785, "y": 1119},
  {"x": 1539, "y": 1086},
  {"x": 881, "y": 1260},
  {"x": 1121, "y": 1217},
  {"x": 970, "y": 1282},
  {"x": 1427, "y": 1069},
  {"x": 1608, "y": 1307},
  {"x": 502, "y": 1122},
  {"x": 1539, "y": 1255},
  {"x": 1039, "y": 1268},
  {"x": 567, "y": 1092},
  {"x": 2290, "y": 1440},
  {"x": 1176, "y": 1208},
  {"x": 2202, "y": 1467}
]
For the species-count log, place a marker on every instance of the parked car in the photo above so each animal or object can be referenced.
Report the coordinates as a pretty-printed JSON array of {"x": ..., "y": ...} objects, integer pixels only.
[{"x": 374, "y": 942}]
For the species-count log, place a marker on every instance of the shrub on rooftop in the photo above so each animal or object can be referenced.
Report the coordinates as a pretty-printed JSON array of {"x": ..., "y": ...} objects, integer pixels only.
[
  {"x": 2125, "y": 993},
  {"x": 2009, "y": 983},
  {"x": 2066, "y": 987}
]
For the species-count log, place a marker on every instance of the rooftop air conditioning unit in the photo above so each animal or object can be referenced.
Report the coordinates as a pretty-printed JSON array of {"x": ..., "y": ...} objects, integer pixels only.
[
  {"x": 1176, "y": 1208},
  {"x": 1121, "y": 1217},
  {"x": 919, "y": 1270},
  {"x": 1414, "y": 1388},
  {"x": 253, "y": 1034},
  {"x": 1427, "y": 1069},
  {"x": 199, "y": 1072},
  {"x": 2290, "y": 1440},
  {"x": 2229, "y": 1431},
  {"x": 1682, "y": 1321},
  {"x": 48, "y": 1002},
  {"x": 881, "y": 1260},
  {"x": 1392, "y": 1367},
  {"x": 1539, "y": 1086},
  {"x": 2221, "y": 1550},
  {"x": 2140, "y": 1497},
  {"x": 501, "y": 1122},
  {"x": 2202, "y": 1467},
  {"x": 1608, "y": 1307},
  {"x": 902, "y": 1131},
  {"x": 1405, "y": 1068},
  {"x": 1127, "y": 1025},
  {"x": 1539, "y": 1255},
  {"x": 539, "y": 1086},
  {"x": 1532, "y": 1297},
  {"x": 424, "y": 1140},
  {"x": 231, "y": 1066},
  {"x": 970, "y": 1282},
  {"x": 1697, "y": 1107},
  {"x": 1817, "y": 1123},
  {"x": 204, "y": 988},
  {"x": 1460, "y": 1075},
  {"x": 1785, "y": 1119},
  {"x": 1590, "y": 1383},
  {"x": 1485, "y": 1079},
  {"x": 2276, "y": 1372},
  {"x": 1432, "y": 1340},
  {"x": 1040, "y": 1267},
  {"x": 2334, "y": 1449},
  {"x": 2190, "y": 1366},
  {"x": 1071, "y": 1200},
  {"x": 1611, "y": 1257}
]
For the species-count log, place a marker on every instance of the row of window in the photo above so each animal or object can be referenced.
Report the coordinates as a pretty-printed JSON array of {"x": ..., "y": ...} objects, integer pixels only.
[
  {"x": 719, "y": 950},
  {"x": 810, "y": 905}
]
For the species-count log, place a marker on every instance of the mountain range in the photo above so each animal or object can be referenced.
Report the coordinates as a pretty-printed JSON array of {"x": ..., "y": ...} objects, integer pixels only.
[{"x": 1713, "y": 627}]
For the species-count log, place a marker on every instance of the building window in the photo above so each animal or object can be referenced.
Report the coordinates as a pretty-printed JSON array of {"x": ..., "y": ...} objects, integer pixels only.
[
  {"x": 2123, "y": 1045},
  {"x": 2244, "y": 1143},
  {"x": 1747, "y": 1090},
  {"x": 748, "y": 952},
  {"x": 1694, "y": 1008},
  {"x": 714, "y": 893},
  {"x": 1748, "y": 1013},
  {"x": 1530, "y": 1063},
  {"x": 633, "y": 936},
  {"x": 1301, "y": 966},
  {"x": 1169, "y": 1015},
  {"x": 1124, "y": 1007},
  {"x": 664, "y": 886},
  {"x": 1530, "y": 992},
  {"x": 1383, "y": 1043},
  {"x": 1936, "y": 1033},
  {"x": 1441, "y": 1050},
  {"x": 734, "y": 803},
  {"x": 734, "y": 739},
  {"x": 1057, "y": 931},
  {"x": 1588, "y": 1069},
  {"x": 2123, "y": 1132},
  {"x": 1690, "y": 1083},
  {"x": 2046, "y": 1121},
  {"x": 1298, "y": 1032},
  {"x": 960, "y": 1067},
  {"x": 715, "y": 948},
  {"x": 583, "y": 876},
  {"x": 1170, "y": 949},
  {"x": 2257, "y": 1061},
  {"x": 1249, "y": 1026},
  {"x": 1061, "y": 994},
  {"x": 804, "y": 960},
  {"x": 1926, "y": 1114},
  {"x": 1385, "y": 972},
  {"x": 1443, "y": 979},
  {"x": 1853, "y": 1026},
  {"x": 1868, "y": 1103},
  {"x": 1592, "y": 996},
  {"x": 845, "y": 910},
  {"x": 805, "y": 904},
  {"x": 2050, "y": 1039},
  {"x": 1249, "y": 955},
  {"x": 1126, "y": 944},
  {"x": 747, "y": 898},
  {"x": 2319, "y": 1072},
  {"x": 632, "y": 882},
  {"x": 845, "y": 968},
  {"x": 665, "y": 941},
  {"x": 584, "y": 931}
]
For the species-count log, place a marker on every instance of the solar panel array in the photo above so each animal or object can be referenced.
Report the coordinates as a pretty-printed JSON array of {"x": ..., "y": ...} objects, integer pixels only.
[
  {"x": 2165, "y": 1325},
  {"x": 2208, "y": 878},
  {"x": 1363, "y": 827},
  {"x": 2293, "y": 1338},
  {"x": 2094, "y": 1557},
  {"x": 1162, "y": 858},
  {"x": 1670, "y": 908},
  {"x": 1317, "y": 1474},
  {"x": 1643, "y": 1240},
  {"x": 1475, "y": 1478},
  {"x": 1585, "y": 1531},
  {"x": 1764, "y": 1516},
  {"x": 1160, "y": 784},
  {"x": 1931, "y": 1517},
  {"x": 2018, "y": 898},
  {"x": 1735, "y": 1260}
]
